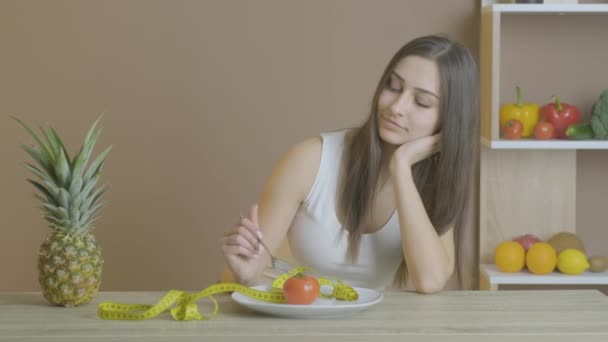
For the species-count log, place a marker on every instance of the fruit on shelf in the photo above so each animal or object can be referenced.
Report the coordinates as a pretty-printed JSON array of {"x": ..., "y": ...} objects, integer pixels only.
[
  {"x": 579, "y": 132},
  {"x": 599, "y": 117},
  {"x": 598, "y": 263},
  {"x": 512, "y": 129},
  {"x": 572, "y": 261},
  {"x": 527, "y": 240},
  {"x": 565, "y": 240},
  {"x": 526, "y": 113},
  {"x": 541, "y": 258},
  {"x": 509, "y": 256},
  {"x": 544, "y": 130},
  {"x": 597, "y": 127},
  {"x": 560, "y": 115}
]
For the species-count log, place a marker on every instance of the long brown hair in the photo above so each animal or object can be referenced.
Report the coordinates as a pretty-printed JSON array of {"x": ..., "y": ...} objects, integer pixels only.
[{"x": 444, "y": 180}]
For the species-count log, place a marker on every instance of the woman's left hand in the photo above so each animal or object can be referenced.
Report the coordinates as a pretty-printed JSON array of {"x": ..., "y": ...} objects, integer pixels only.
[{"x": 414, "y": 151}]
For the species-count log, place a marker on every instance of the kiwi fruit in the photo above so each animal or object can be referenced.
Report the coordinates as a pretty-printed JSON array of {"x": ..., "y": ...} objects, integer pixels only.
[
  {"x": 565, "y": 240},
  {"x": 598, "y": 263}
]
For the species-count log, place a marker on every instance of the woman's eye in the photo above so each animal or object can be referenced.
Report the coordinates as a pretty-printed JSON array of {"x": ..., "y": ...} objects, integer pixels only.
[
  {"x": 422, "y": 104},
  {"x": 393, "y": 85}
]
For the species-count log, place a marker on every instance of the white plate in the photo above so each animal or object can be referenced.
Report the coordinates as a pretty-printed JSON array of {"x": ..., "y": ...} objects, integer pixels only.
[{"x": 320, "y": 308}]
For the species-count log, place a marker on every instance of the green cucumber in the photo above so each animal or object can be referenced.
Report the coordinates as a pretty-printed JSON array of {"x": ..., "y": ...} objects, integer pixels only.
[{"x": 579, "y": 132}]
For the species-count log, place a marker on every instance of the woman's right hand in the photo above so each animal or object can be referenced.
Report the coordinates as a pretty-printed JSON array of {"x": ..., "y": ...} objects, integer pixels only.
[{"x": 242, "y": 249}]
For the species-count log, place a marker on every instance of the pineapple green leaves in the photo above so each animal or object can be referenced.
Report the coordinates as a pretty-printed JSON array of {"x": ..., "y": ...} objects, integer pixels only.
[{"x": 70, "y": 200}]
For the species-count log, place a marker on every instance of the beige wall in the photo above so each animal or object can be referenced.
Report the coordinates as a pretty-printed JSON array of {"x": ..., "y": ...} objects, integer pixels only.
[{"x": 200, "y": 100}]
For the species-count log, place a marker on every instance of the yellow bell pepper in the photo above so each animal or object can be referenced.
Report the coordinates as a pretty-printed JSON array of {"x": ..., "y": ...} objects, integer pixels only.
[{"x": 526, "y": 113}]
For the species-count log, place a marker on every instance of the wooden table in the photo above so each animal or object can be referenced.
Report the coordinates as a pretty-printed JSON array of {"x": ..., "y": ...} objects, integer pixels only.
[{"x": 569, "y": 315}]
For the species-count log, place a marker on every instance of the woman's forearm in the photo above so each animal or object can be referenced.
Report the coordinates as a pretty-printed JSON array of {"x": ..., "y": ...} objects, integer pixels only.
[{"x": 429, "y": 265}]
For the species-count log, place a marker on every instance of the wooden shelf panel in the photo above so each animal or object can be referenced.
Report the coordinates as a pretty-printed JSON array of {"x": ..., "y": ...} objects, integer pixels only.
[
  {"x": 526, "y": 278},
  {"x": 546, "y": 8},
  {"x": 545, "y": 144}
]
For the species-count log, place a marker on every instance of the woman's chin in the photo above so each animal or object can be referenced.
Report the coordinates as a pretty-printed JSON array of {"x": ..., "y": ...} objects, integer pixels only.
[{"x": 391, "y": 137}]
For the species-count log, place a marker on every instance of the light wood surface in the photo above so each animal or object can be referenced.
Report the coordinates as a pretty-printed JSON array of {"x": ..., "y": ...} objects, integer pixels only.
[
  {"x": 525, "y": 191},
  {"x": 447, "y": 316},
  {"x": 489, "y": 73}
]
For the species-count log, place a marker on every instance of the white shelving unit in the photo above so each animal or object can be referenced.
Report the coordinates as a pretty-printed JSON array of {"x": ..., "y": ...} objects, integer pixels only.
[
  {"x": 553, "y": 144},
  {"x": 493, "y": 278},
  {"x": 546, "y": 8},
  {"x": 527, "y": 185}
]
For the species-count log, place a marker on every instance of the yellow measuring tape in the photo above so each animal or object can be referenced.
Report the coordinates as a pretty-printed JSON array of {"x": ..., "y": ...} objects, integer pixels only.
[{"x": 186, "y": 308}]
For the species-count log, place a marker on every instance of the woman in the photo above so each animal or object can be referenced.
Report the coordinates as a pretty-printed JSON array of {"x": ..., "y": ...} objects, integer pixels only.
[{"x": 378, "y": 203}]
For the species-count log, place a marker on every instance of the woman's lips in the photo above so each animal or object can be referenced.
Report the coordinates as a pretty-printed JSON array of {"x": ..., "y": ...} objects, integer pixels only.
[{"x": 392, "y": 124}]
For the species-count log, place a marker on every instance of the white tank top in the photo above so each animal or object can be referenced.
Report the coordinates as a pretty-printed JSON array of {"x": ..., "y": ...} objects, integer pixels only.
[{"x": 316, "y": 238}]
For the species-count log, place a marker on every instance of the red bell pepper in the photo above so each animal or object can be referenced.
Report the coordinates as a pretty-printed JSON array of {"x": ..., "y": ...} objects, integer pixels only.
[{"x": 561, "y": 115}]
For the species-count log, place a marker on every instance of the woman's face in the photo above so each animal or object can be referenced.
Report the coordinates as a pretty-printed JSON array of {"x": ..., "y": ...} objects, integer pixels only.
[{"x": 408, "y": 106}]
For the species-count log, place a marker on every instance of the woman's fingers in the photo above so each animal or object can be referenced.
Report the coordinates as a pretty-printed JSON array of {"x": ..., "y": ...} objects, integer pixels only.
[
  {"x": 431, "y": 146},
  {"x": 240, "y": 235},
  {"x": 253, "y": 214},
  {"x": 239, "y": 240},
  {"x": 253, "y": 227},
  {"x": 241, "y": 250},
  {"x": 243, "y": 238}
]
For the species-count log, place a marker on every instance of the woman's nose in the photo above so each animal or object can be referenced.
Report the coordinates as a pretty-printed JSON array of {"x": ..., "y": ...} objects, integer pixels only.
[{"x": 401, "y": 105}]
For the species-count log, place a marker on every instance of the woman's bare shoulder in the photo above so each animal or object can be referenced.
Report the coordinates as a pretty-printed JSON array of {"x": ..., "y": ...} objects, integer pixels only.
[
  {"x": 301, "y": 164},
  {"x": 307, "y": 151}
]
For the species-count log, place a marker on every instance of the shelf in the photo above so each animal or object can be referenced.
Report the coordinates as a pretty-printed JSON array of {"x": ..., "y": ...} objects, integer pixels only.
[
  {"x": 494, "y": 76},
  {"x": 496, "y": 277},
  {"x": 522, "y": 44},
  {"x": 546, "y": 8},
  {"x": 522, "y": 144}
]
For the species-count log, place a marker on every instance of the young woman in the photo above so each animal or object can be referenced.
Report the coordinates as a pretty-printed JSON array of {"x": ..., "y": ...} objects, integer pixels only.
[{"x": 378, "y": 203}]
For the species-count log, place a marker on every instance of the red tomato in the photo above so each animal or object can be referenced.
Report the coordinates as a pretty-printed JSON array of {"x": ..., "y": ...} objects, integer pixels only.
[
  {"x": 301, "y": 289},
  {"x": 512, "y": 129},
  {"x": 544, "y": 130}
]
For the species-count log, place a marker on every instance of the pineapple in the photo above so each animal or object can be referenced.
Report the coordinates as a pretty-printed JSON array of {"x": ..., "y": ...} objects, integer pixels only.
[{"x": 69, "y": 262}]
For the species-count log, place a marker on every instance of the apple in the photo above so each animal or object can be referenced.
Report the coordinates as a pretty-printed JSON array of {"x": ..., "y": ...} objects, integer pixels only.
[{"x": 527, "y": 240}]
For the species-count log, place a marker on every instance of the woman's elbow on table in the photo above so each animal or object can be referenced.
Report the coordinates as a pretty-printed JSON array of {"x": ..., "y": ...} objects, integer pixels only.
[{"x": 430, "y": 285}]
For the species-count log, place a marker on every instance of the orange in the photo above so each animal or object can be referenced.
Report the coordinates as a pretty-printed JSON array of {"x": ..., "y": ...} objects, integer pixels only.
[
  {"x": 509, "y": 256},
  {"x": 541, "y": 258}
]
